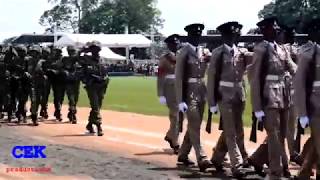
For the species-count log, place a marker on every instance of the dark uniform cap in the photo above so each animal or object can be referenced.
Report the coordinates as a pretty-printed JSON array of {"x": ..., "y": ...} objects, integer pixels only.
[
  {"x": 46, "y": 50},
  {"x": 174, "y": 38},
  {"x": 267, "y": 22},
  {"x": 312, "y": 26},
  {"x": 230, "y": 27},
  {"x": 21, "y": 48},
  {"x": 94, "y": 44},
  {"x": 35, "y": 48},
  {"x": 71, "y": 48},
  {"x": 194, "y": 28},
  {"x": 56, "y": 49},
  {"x": 287, "y": 29}
]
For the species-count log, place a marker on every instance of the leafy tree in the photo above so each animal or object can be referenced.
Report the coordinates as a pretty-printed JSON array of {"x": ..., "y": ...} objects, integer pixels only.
[
  {"x": 292, "y": 12},
  {"x": 66, "y": 14},
  {"x": 117, "y": 15},
  {"x": 103, "y": 16}
]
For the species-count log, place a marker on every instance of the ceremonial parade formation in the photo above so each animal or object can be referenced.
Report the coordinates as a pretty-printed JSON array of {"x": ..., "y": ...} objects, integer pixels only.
[{"x": 283, "y": 76}]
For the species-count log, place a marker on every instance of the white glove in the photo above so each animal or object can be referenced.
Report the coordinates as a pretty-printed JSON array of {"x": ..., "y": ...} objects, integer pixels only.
[
  {"x": 259, "y": 115},
  {"x": 304, "y": 121},
  {"x": 183, "y": 107},
  {"x": 214, "y": 109},
  {"x": 162, "y": 100}
]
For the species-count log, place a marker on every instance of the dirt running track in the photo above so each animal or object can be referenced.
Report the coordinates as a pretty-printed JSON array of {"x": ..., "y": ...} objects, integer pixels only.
[{"x": 132, "y": 148}]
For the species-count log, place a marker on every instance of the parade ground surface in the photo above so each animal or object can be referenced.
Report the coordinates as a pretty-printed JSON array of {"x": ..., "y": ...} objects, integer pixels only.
[{"x": 131, "y": 148}]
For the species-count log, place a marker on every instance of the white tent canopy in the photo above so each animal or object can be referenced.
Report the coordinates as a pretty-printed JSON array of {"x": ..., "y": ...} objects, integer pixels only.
[
  {"x": 109, "y": 40},
  {"x": 104, "y": 53}
]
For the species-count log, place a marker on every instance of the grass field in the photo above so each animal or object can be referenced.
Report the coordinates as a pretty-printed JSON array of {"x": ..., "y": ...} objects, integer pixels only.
[{"x": 138, "y": 95}]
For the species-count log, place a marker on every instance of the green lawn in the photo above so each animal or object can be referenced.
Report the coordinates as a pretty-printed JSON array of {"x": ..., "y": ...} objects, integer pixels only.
[{"x": 137, "y": 94}]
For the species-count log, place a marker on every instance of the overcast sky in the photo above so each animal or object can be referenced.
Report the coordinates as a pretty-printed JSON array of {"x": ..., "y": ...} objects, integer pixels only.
[{"x": 22, "y": 16}]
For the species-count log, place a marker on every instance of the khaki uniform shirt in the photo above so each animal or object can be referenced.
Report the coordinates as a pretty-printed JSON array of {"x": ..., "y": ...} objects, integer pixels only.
[
  {"x": 305, "y": 57},
  {"x": 191, "y": 63},
  {"x": 234, "y": 64},
  {"x": 278, "y": 62},
  {"x": 167, "y": 64}
]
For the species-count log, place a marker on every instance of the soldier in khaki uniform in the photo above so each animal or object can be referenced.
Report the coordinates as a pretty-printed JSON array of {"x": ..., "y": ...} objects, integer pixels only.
[
  {"x": 287, "y": 40},
  {"x": 226, "y": 89},
  {"x": 307, "y": 94},
  {"x": 260, "y": 156},
  {"x": 270, "y": 63},
  {"x": 166, "y": 89},
  {"x": 191, "y": 94}
]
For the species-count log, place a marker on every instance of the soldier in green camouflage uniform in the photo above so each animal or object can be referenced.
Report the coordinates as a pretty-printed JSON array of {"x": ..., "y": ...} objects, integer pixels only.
[
  {"x": 57, "y": 82},
  {"x": 19, "y": 82},
  {"x": 45, "y": 90},
  {"x": 4, "y": 78},
  {"x": 36, "y": 77},
  {"x": 11, "y": 104},
  {"x": 95, "y": 78},
  {"x": 70, "y": 67}
]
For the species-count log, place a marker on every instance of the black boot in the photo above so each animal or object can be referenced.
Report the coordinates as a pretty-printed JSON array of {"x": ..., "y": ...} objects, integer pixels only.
[
  {"x": 69, "y": 116},
  {"x": 99, "y": 130},
  {"x": 44, "y": 114},
  {"x": 41, "y": 112},
  {"x": 34, "y": 119},
  {"x": 20, "y": 118},
  {"x": 286, "y": 173},
  {"x": 74, "y": 119},
  {"x": 185, "y": 161},
  {"x": 204, "y": 165},
  {"x": 258, "y": 169},
  {"x": 57, "y": 114},
  {"x": 89, "y": 127}
]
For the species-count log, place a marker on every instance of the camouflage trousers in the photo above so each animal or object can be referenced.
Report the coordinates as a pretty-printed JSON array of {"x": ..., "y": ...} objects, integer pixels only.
[
  {"x": 45, "y": 92},
  {"x": 96, "y": 92},
  {"x": 35, "y": 96},
  {"x": 72, "y": 91},
  {"x": 4, "y": 98},
  {"x": 19, "y": 94},
  {"x": 58, "y": 96}
]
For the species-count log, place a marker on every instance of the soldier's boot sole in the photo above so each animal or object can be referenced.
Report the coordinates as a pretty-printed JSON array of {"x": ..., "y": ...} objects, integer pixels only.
[
  {"x": 204, "y": 165},
  {"x": 90, "y": 129},
  {"x": 24, "y": 118},
  {"x": 34, "y": 119},
  {"x": 186, "y": 162},
  {"x": 99, "y": 130},
  {"x": 44, "y": 114},
  {"x": 176, "y": 149}
]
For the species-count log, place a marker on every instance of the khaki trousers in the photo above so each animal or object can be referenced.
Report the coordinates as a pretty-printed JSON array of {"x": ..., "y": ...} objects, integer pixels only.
[
  {"x": 232, "y": 138},
  {"x": 170, "y": 95},
  {"x": 195, "y": 97},
  {"x": 275, "y": 124}
]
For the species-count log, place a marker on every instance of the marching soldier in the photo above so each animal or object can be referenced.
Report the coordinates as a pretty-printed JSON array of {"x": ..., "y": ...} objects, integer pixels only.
[
  {"x": 4, "y": 86},
  {"x": 260, "y": 156},
  {"x": 36, "y": 77},
  {"x": 191, "y": 94},
  {"x": 307, "y": 90},
  {"x": 96, "y": 80},
  {"x": 226, "y": 89},
  {"x": 20, "y": 82},
  {"x": 270, "y": 64},
  {"x": 287, "y": 40},
  {"x": 57, "y": 82},
  {"x": 166, "y": 89},
  {"x": 72, "y": 81},
  {"x": 45, "y": 90}
]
